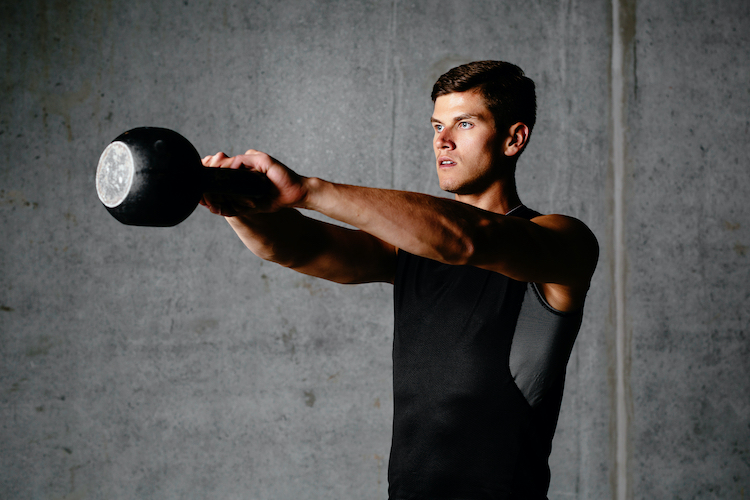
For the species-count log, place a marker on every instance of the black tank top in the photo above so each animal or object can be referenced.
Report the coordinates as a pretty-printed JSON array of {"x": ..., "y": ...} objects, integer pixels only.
[{"x": 478, "y": 371}]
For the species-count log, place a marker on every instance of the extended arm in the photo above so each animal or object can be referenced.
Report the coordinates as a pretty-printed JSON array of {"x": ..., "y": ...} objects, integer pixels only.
[
  {"x": 556, "y": 251},
  {"x": 279, "y": 233},
  {"x": 316, "y": 248}
]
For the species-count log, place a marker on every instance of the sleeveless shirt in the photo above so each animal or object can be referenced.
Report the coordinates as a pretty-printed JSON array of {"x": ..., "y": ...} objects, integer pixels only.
[{"x": 478, "y": 371}]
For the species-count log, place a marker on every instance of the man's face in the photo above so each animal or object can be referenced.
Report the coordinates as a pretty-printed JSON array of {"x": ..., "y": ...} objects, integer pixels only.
[{"x": 466, "y": 144}]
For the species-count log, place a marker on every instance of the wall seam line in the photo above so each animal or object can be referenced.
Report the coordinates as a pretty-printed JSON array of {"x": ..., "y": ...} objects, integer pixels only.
[{"x": 618, "y": 167}]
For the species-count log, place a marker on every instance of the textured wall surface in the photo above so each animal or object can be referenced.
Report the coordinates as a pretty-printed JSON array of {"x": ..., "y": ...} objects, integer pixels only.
[
  {"x": 172, "y": 363},
  {"x": 688, "y": 235}
]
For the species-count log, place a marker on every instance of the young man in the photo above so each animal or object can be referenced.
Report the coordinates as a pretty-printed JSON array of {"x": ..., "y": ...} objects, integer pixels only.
[{"x": 488, "y": 293}]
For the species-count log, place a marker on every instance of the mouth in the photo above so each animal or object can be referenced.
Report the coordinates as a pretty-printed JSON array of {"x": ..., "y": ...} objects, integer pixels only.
[{"x": 445, "y": 162}]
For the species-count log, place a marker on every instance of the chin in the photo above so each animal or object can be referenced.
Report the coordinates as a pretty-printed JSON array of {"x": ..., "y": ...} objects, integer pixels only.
[
  {"x": 449, "y": 187},
  {"x": 462, "y": 188}
]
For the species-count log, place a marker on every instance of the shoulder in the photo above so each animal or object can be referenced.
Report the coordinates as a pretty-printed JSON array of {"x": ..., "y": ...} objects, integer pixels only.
[
  {"x": 578, "y": 249},
  {"x": 571, "y": 231}
]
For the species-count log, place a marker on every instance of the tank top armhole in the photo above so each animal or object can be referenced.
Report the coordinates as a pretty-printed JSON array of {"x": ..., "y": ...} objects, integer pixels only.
[{"x": 543, "y": 301}]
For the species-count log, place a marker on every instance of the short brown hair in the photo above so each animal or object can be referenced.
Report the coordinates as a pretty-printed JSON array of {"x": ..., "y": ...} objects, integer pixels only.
[{"x": 508, "y": 93}]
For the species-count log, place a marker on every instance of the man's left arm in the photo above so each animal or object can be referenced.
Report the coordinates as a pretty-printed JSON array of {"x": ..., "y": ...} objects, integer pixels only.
[{"x": 557, "y": 252}]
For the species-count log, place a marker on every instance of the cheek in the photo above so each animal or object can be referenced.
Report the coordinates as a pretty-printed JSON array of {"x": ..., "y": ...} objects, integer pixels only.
[
  {"x": 485, "y": 148},
  {"x": 477, "y": 148}
]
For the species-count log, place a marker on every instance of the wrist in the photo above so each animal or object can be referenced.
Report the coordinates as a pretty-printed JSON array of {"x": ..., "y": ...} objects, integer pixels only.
[{"x": 313, "y": 188}]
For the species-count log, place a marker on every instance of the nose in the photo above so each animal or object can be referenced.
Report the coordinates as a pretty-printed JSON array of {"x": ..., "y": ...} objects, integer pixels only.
[{"x": 443, "y": 140}]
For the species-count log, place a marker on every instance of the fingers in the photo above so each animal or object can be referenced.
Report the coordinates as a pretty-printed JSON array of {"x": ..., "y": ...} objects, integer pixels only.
[
  {"x": 286, "y": 184},
  {"x": 231, "y": 205},
  {"x": 221, "y": 160},
  {"x": 217, "y": 160}
]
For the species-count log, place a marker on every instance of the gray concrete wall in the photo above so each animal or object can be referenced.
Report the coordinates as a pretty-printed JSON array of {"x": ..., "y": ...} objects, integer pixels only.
[{"x": 171, "y": 363}]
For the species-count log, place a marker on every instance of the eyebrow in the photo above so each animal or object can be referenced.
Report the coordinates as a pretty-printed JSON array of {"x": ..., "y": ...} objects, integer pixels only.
[{"x": 463, "y": 116}]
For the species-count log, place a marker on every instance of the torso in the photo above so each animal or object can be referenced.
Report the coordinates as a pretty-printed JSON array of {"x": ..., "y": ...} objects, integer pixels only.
[{"x": 468, "y": 416}]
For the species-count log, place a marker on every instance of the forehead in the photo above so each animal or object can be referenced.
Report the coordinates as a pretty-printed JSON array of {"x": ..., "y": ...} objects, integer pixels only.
[{"x": 459, "y": 104}]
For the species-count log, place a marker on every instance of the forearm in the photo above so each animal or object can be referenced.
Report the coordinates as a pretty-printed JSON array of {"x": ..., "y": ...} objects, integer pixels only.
[
  {"x": 316, "y": 248},
  {"x": 260, "y": 233},
  {"x": 425, "y": 225}
]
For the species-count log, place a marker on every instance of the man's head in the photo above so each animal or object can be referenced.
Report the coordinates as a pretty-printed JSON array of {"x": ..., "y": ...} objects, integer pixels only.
[
  {"x": 482, "y": 119},
  {"x": 507, "y": 93}
]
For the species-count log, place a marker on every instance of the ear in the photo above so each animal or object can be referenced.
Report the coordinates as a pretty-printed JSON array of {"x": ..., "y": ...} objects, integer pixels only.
[{"x": 518, "y": 136}]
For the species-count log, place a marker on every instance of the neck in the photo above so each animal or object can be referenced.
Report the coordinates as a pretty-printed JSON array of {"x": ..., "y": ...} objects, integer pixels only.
[{"x": 500, "y": 197}]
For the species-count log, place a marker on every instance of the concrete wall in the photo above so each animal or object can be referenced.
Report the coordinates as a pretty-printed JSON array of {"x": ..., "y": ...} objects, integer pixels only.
[{"x": 171, "y": 363}]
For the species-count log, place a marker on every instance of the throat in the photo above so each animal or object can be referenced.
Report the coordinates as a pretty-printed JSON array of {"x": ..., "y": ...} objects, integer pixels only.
[{"x": 497, "y": 198}]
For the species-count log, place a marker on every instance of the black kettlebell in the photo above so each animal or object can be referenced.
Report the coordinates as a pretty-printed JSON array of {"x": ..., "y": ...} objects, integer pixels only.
[{"x": 152, "y": 176}]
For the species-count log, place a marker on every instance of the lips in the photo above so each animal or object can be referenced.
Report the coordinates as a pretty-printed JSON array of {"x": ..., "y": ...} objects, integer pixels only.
[{"x": 444, "y": 161}]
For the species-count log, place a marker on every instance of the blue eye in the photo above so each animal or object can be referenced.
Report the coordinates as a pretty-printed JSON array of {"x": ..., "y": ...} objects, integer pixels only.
[
  {"x": 438, "y": 128},
  {"x": 465, "y": 125}
]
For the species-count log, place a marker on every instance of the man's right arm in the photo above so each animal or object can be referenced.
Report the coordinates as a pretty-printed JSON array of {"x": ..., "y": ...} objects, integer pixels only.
[
  {"x": 316, "y": 248},
  {"x": 285, "y": 236}
]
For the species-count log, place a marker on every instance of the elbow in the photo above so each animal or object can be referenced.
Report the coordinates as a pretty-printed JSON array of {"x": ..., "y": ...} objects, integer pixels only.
[
  {"x": 460, "y": 251},
  {"x": 460, "y": 243},
  {"x": 470, "y": 243}
]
